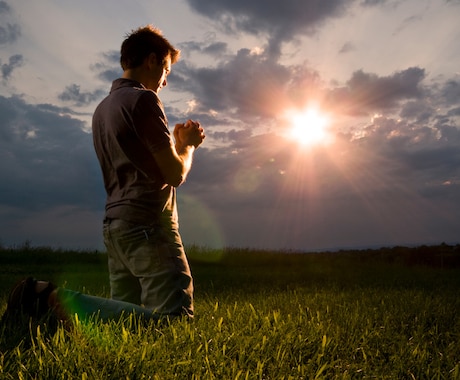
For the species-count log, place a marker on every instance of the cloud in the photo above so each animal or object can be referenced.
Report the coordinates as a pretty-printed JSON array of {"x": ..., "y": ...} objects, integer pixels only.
[
  {"x": 399, "y": 162},
  {"x": 52, "y": 191},
  {"x": 386, "y": 182},
  {"x": 9, "y": 32},
  {"x": 108, "y": 68},
  {"x": 419, "y": 110},
  {"x": 390, "y": 176},
  {"x": 280, "y": 22},
  {"x": 451, "y": 92},
  {"x": 46, "y": 158},
  {"x": 216, "y": 48},
  {"x": 247, "y": 84},
  {"x": 232, "y": 135},
  {"x": 369, "y": 93},
  {"x": 58, "y": 226},
  {"x": 372, "y": 3},
  {"x": 388, "y": 179},
  {"x": 14, "y": 62},
  {"x": 346, "y": 48},
  {"x": 389, "y": 184},
  {"x": 73, "y": 94},
  {"x": 4, "y": 7}
]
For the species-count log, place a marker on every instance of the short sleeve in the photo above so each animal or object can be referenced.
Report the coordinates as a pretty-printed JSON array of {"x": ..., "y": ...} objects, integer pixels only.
[{"x": 150, "y": 122}]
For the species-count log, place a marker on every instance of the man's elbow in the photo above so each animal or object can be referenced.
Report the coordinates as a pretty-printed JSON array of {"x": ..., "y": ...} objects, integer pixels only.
[
  {"x": 175, "y": 180},
  {"x": 174, "y": 172}
]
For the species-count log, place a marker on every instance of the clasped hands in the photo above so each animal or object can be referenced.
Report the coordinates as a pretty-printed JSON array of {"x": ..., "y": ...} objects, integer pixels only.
[{"x": 189, "y": 133}]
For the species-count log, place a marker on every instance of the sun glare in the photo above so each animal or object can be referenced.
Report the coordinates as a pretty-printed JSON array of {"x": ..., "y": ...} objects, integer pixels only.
[{"x": 308, "y": 127}]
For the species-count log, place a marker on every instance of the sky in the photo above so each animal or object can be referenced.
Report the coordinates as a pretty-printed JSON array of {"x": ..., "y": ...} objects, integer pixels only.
[{"x": 382, "y": 76}]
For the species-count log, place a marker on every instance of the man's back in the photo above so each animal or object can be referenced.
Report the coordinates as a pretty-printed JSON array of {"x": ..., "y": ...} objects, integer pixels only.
[{"x": 129, "y": 125}]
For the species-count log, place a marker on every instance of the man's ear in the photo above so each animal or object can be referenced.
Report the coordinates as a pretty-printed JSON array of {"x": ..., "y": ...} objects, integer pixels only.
[{"x": 152, "y": 60}]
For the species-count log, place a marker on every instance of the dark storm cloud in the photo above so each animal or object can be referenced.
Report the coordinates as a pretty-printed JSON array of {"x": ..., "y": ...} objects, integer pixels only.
[
  {"x": 51, "y": 189},
  {"x": 281, "y": 22},
  {"x": 190, "y": 46},
  {"x": 110, "y": 75},
  {"x": 418, "y": 110},
  {"x": 388, "y": 185},
  {"x": 213, "y": 48},
  {"x": 248, "y": 83},
  {"x": 451, "y": 92},
  {"x": 373, "y": 2},
  {"x": 407, "y": 142},
  {"x": 46, "y": 158},
  {"x": 9, "y": 32},
  {"x": 346, "y": 48},
  {"x": 216, "y": 48},
  {"x": 388, "y": 148},
  {"x": 108, "y": 68},
  {"x": 232, "y": 135},
  {"x": 14, "y": 62},
  {"x": 454, "y": 112},
  {"x": 394, "y": 179},
  {"x": 367, "y": 92},
  {"x": 380, "y": 3},
  {"x": 252, "y": 85},
  {"x": 74, "y": 95},
  {"x": 389, "y": 181},
  {"x": 4, "y": 7}
]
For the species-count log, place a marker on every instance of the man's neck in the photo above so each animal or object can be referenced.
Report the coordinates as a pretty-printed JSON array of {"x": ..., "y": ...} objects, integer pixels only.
[{"x": 133, "y": 74}]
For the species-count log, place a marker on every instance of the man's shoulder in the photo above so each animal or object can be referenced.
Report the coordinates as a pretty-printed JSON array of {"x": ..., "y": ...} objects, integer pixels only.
[
  {"x": 126, "y": 84},
  {"x": 127, "y": 87}
]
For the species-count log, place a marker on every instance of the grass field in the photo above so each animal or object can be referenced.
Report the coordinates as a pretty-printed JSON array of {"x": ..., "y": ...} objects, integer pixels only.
[{"x": 381, "y": 314}]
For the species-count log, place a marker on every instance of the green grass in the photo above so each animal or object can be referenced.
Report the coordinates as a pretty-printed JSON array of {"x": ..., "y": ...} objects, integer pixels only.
[{"x": 259, "y": 315}]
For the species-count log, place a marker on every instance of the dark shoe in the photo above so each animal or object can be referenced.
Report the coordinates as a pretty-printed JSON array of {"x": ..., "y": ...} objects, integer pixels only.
[
  {"x": 27, "y": 309},
  {"x": 24, "y": 299}
]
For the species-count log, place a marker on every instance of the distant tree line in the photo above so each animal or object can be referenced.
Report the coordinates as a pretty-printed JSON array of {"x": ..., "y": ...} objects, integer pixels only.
[
  {"x": 436, "y": 256},
  {"x": 439, "y": 256}
]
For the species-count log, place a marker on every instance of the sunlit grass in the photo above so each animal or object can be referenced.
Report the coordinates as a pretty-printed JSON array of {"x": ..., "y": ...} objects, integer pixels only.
[{"x": 313, "y": 317}]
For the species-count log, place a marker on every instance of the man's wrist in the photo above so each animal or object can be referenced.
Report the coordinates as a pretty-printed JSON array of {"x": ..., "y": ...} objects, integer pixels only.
[{"x": 185, "y": 148}]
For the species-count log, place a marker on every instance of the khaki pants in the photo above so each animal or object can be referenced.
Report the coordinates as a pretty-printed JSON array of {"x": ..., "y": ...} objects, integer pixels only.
[{"x": 148, "y": 267}]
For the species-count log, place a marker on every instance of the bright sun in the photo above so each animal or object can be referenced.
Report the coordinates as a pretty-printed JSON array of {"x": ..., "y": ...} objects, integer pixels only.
[{"x": 308, "y": 127}]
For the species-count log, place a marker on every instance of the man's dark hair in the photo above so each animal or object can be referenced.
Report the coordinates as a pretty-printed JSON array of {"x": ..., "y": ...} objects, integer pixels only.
[{"x": 143, "y": 41}]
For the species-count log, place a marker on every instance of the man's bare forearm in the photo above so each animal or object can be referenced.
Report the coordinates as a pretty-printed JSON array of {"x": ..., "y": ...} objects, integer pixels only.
[{"x": 185, "y": 154}]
